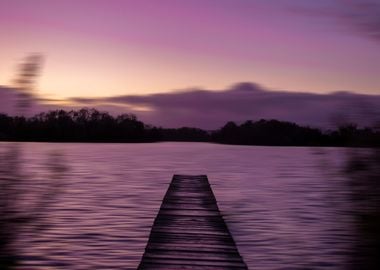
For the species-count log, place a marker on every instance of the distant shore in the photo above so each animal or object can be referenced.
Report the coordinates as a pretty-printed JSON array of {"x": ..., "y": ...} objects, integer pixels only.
[{"x": 92, "y": 126}]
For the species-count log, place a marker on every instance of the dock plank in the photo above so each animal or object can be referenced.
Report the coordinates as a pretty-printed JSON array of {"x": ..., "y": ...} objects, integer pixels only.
[{"x": 189, "y": 231}]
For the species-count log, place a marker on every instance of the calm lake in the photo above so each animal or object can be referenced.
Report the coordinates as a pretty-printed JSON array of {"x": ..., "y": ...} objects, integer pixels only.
[{"x": 287, "y": 207}]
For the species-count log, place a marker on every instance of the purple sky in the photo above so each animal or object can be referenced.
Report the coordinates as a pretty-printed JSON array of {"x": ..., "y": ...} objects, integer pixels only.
[{"x": 105, "y": 48}]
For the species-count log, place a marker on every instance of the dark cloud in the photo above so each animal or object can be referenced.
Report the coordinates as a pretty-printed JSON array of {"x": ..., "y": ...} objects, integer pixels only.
[
  {"x": 9, "y": 98},
  {"x": 211, "y": 109}
]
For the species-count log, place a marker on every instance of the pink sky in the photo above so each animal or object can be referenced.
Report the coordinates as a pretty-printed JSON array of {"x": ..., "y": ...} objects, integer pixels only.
[{"x": 97, "y": 48}]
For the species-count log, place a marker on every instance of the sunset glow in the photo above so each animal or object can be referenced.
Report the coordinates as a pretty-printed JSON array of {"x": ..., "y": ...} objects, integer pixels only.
[{"x": 104, "y": 48}]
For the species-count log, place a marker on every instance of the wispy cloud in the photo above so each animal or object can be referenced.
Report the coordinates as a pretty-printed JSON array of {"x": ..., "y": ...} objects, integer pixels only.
[
  {"x": 363, "y": 15},
  {"x": 359, "y": 16}
]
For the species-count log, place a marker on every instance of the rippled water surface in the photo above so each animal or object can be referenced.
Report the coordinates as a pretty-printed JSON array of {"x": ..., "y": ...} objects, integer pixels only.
[{"x": 286, "y": 207}]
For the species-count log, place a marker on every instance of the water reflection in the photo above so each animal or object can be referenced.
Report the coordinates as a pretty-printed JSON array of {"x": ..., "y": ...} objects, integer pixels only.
[
  {"x": 24, "y": 199},
  {"x": 287, "y": 208},
  {"x": 363, "y": 169}
]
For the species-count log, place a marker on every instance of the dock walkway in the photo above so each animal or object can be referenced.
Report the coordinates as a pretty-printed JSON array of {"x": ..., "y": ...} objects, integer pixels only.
[{"x": 189, "y": 231}]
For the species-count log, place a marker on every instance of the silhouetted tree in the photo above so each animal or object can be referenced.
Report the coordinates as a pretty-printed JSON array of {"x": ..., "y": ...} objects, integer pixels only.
[
  {"x": 268, "y": 132},
  {"x": 91, "y": 125}
]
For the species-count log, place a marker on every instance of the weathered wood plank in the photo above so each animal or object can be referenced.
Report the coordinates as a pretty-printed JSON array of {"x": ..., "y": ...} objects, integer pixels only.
[{"x": 189, "y": 232}]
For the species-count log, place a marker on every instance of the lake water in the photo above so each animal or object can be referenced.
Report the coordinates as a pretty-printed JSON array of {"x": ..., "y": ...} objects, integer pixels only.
[{"x": 286, "y": 207}]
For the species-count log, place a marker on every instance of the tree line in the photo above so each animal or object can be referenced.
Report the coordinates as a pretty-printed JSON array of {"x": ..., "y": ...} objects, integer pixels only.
[{"x": 91, "y": 125}]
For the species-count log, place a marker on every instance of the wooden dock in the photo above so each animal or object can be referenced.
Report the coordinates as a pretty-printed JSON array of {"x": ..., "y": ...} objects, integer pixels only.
[{"x": 189, "y": 232}]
